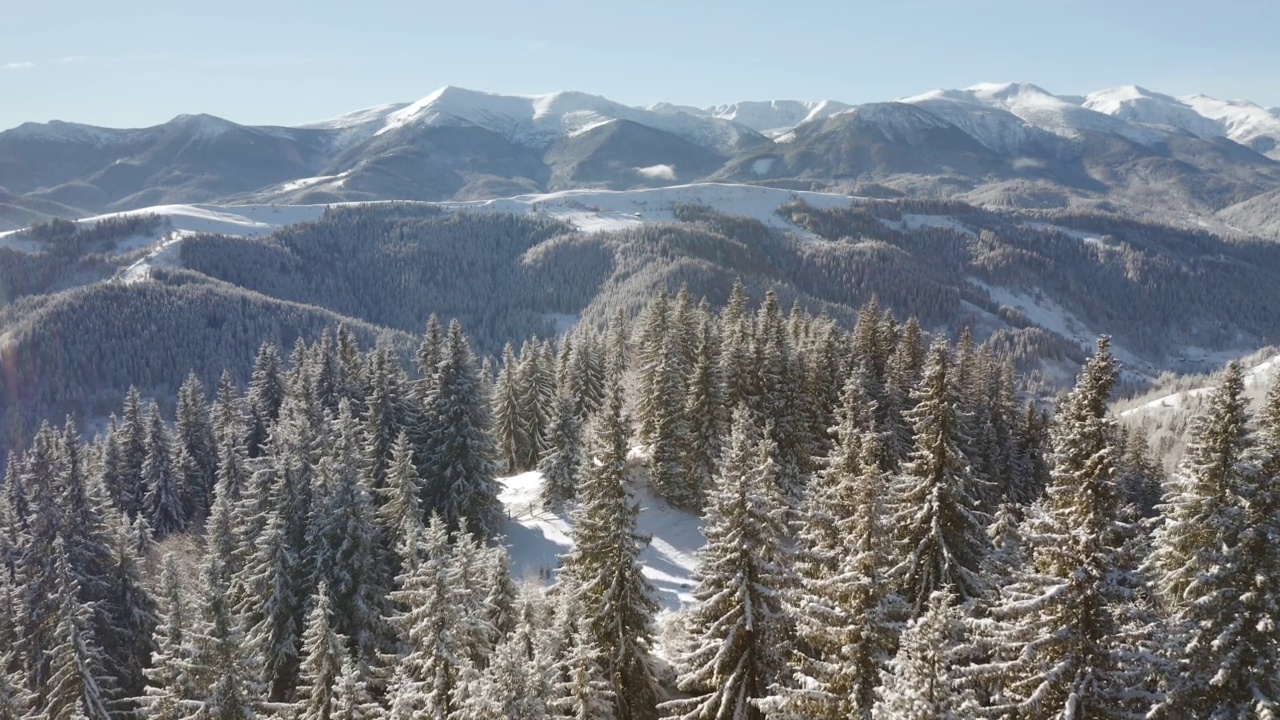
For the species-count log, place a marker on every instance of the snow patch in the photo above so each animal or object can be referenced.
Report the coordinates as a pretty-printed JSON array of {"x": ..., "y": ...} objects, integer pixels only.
[
  {"x": 537, "y": 538},
  {"x": 1081, "y": 235},
  {"x": 911, "y": 222},
  {"x": 763, "y": 165}
]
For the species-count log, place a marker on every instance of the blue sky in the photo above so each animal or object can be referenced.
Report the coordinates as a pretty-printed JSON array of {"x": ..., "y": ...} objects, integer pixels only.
[{"x": 132, "y": 63}]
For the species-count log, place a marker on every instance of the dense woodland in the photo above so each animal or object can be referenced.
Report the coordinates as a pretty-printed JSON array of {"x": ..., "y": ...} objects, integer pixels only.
[
  {"x": 892, "y": 531},
  {"x": 76, "y": 336}
]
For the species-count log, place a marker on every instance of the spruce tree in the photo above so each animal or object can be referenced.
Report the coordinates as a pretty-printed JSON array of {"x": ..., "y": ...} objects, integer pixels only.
[
  {"x": 1066, "y": 639},
  {"x": 560, "y": 465},
  {"x": 78, "y": 682},
  {"x": 400, "y": 513},
  {"x": 705, "y": 420},
  {"x": 425, "y": 678},
  {"x": 942, "y": 527},
  {"x": 509, "y": 419},
  {"x": 458, "y": 455},
  {"x": 845, "y": 626},
  {"x": 198, "y": 445},
  {"x": 669, "y": 433},
  {"x": 1215, "y": 587},
  {"x": 167, "y": 682},
  {"x": 738, "y": 629},
  {"x": 323, "y": 653},
  {"x": 126, "y": 486},
  {"x": 604, "y": 566},
  {"x": 583, "y": 690},
  {"x": 163, "y": 504},
  {"x": 265, "y": 398},
  {"x": 925, "y": 680}
]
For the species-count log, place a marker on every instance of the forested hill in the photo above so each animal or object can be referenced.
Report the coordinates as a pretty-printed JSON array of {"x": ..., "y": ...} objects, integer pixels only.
[
  {"x": 96, "y": 307},
  {"x": 889, "y": 525}
]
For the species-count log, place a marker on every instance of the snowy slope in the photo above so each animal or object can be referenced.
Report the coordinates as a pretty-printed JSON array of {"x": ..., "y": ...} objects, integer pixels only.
[
  {"x": 1258, "y": 376},
  {"x": 1031, "y": 104},
  {"x": 594, "y": 210},
  {"x": 538, "y": 120},
  {"x": 1242, "y": 121},
  {"x": 537, "y": 538},
  {"x": 1139, "y": 105},
  {"x": 773, "y": 117}
]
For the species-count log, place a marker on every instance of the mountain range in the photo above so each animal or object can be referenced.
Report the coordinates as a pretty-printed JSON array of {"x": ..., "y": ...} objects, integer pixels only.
[{"x": 1191, "y": 160}]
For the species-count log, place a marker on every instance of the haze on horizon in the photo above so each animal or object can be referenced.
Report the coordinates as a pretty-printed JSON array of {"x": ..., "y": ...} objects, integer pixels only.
[{"x": 142, "y": 62}]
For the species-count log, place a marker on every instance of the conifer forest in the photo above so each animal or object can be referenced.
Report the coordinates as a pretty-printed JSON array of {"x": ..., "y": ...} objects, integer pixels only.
[{"x": 893, "y": 530}]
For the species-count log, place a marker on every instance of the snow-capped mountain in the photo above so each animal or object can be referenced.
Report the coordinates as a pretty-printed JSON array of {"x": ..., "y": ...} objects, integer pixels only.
[
  {"x": 777, "y": 116},
  {"x": 538, "y": 120},
  {"x": 1038, "y": 108},
  {"x": 1001, "y": 143}
]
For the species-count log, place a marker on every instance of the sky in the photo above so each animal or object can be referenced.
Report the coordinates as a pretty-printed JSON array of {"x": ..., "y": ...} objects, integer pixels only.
[{"x": 135, "y": 63}]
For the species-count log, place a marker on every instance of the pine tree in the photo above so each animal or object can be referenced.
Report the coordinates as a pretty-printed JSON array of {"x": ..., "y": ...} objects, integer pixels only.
[
  {"x": 265, "y": 398},
  {"x": 512, "y": 687},
  {"x": 583, "y": 691},
  {"x": 510, "y": 431},
  {"x": 458, "y": 457},
  {"x": 163, "y": 504},
  {"x": 617, "y": 601},
  {"x": 78, "y": 682},
  {"x": 223, "y": 673},
  {"x": 942, "y": 526},
  {"x": 669, "y": 432},
  {"x": 738, "y": 629},
  {"x": 346, "y": 544},
  {"x": 352, "y": 696},
  {"x": 1226, "y": 646},
  {"x": 323, "y": 653},
  {"x": 15, "y": 699},
  {"x": 844, "y": 613},
  {"x": 198, "y": 445},
  {"x": 126, "y": 486},
  {"x": 559, "y": 466},
  {"x": 429, "y": 591},
  {"x": 651, "y": 348},
  {"x": 925, "y": 681},
  {"x": 400, "y": 513},
  {"x": 1066, "y": 638},
  {"x": 735, "y": 357},
  {"x": 167, "y": 683},
  {"x": 704, "y": 420}
]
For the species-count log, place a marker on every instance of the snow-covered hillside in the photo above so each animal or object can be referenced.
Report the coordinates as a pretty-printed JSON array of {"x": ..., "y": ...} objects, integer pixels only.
[
  {"x": 773, "y": 117},
  {"x": 538, "y": 120},
  {"x": 1039, "y": 108},
  {"x": 537, "y": 538}
]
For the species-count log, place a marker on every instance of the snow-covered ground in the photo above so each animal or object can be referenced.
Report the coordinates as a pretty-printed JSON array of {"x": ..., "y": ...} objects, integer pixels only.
[
  {"x": 595, "y": 210},
  {"x": 912, "y": 222},
  {"x": 1259, "y": 375},
  {"x": 537, "y": 538}
]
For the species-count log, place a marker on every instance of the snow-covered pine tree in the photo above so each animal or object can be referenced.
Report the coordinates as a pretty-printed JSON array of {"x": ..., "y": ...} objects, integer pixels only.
[
  {"x": 650, "y": 349},
  {"x": 127, "y": 614},
  {"x": 162, "y": 504},
  {"x": 669, "y": 433},
  {"x": 353, "y": 698},
  {"x": 560, "y": 464},
  {"x": 429, "y": 594},
  {"x": 196, "y": 437},
  {"x": 15, "y": 699},
  {"x": 127, "y": 487},
  {"x": 167, "y": 682},
  {"x": 1225, "y": 642},
  {"x": 265, "y": 397},
  {"x": 513, "y": 685},
  {"x": 738, "y": 629},
  {"x": 323, "y": 653},
  {"x": 942, "y": 528},
  {"x": 617, "y": 600},
  {"x": 924, "y": 680},
  {"x": 458, "y": 457},
  {"x": 737, "y": 339},
  {"x": 272, "y": 607},
  {"x": 77, "y": 681},
  {"x": 587, "y": 371},
  {"x": 400, "y": 512},
  {"x": 1065, "y": 639},
  {"x": 582, "y": 690},
  {"x": 509, "y": 417},
  {"x": 844, "y": 613},
  {"x": 346, "y": 543},
  {"x": 228, "y": 418},
  {"x": 705, "y": 420}
]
